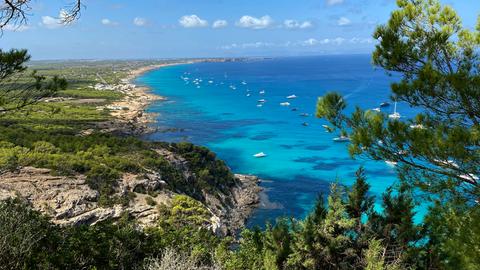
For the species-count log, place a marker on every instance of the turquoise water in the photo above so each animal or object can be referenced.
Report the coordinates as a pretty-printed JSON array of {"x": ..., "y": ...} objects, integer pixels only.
[{"x": 301, "y": 160}]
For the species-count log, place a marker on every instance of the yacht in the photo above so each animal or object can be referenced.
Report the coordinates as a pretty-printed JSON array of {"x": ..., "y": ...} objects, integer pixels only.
[
  {"x": 419, "y": 126},
  {"x": 395, "y": 114},
  {"x": 285, "y": 104},
  {"x": 391, "y": 163},
  {"x": 262, "y": 100},
  {"x": 376, "y": 110},
  {"x": 342, "y": 138},
  {"x": 384, "y": 104},
  {"x": 262, "y": 92},
  {"x": 260, "y": 155},
  {"x": 470, "y": 177},
  {"x": 291, "y": 97}
]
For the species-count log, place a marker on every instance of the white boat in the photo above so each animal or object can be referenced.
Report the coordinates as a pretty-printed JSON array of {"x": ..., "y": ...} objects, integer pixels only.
[
  {"x": 259, "y": 105},
  {"x": 419, "y": 126},
  {"x": 210, "y": 82},
  {"x": 341, "y": 139},
  {"x": 260, "y": 155},
  {"x": 244, "y": 83},
  {"x": 469, "y": 177},
  {"x": 233, "y": 87},
  {"x": 292, "y": 97},
  {"x": 376, "y": 109},
  {"x": 448, "y": 163},
  {"x": 262, "y": 100},
  {"x": 395, "y": 114},
  {"x": 391, "y": 163},
  {"x": 304, "y": 114},
  {"x": 248, "y": 95},
  {"x": 262, "y": 92},
  {"x": 285, "y": 104}
]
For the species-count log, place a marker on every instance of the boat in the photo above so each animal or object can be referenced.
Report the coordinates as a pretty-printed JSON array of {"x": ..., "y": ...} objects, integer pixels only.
[
  {"x": 259, "y": 105},
  {"x": 342, "y": 138},
  {"x": 262, "y": 100},
  {"x": 419, "y": 126},
  {"x": 384, "y": 104},
  {"x": 210, "y": 82},
  {"x": 470, "y": 177},
  {"x": 260, "y": 155},
  {"x": 248, "y": 95},
  {"x": 294, "y": 109},
  {"x": 262, "y": 92},
  {"x": 244, "y": 83},
  {"x": 305, "y": 124},
  {"x": 376, "y": 109},
  {"x": 285, "y": 104},
  {"x": 391, "y": 163},
  {"x": 304, "y": 114},
  {"x": 448, "y": 163},
  {"x": 233, "y": 87},
  {"x": 291, "y": 97},
  {"x": 395, "y": 114}
]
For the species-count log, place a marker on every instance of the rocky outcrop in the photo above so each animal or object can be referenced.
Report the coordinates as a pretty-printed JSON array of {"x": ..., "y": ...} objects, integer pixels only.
[
  {"x": 229, "y": 219},
  {"x": 68, "y": 200}
]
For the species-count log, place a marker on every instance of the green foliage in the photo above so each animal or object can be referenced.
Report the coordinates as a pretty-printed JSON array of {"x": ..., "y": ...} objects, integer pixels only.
[
  {"x": 212, "y": 174},
  {"x": 437, "y": 151},
  {"x": 454, "y": 232},
  {"x": 330, "y": 106},
  {"x": 150, "y": 201}
]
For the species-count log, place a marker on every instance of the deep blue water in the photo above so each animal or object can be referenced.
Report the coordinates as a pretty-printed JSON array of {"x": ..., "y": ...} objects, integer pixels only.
[{"x": 302, "y": 160}]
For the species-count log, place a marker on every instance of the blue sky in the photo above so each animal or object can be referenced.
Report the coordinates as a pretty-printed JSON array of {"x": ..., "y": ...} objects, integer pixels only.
[{"x": 110, "y": 29}]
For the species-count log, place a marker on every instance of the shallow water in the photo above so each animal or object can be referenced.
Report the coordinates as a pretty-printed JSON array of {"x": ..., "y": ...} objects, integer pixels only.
[{"x": 302, "y": 160}]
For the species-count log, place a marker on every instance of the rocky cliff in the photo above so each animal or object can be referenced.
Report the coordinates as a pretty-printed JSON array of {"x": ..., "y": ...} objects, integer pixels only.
[{"x": 69, "y": 200}]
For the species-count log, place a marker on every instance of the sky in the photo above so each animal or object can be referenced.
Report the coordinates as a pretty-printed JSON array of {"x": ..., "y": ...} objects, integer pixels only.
[{"x": 144, "y": 29}]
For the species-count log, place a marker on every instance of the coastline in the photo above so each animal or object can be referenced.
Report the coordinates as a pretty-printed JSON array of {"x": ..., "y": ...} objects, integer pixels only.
[
  {"x": 133, "y": 120},
  {"x": 129, "y": 113}
]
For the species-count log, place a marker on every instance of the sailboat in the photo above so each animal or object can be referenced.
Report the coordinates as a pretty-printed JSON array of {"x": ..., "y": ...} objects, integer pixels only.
[
  {"x": 260, "y": 155},
  {"x": 342, "y": 138},
  {"x": 395, "y": 114}
]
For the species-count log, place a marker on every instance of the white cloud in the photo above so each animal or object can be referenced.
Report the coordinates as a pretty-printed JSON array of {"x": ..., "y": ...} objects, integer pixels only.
[
  {"x": 311, "y": 42},
  {"x": 333, "y": 2},
  {"x": 108, "y": 22},
  {"x": 293, "y": 24},
  {"x": 16, "y": 28},
  {"x": 191, "y": 21},
  {"x": 51, "y": 22},
  {"x": 138, "y": 21},
  {"x": 343, "y": 21},
  {"x": 255, "y": 23},
  {"x": 251, "y": 45},
  {"x": 220, "y": 24}
]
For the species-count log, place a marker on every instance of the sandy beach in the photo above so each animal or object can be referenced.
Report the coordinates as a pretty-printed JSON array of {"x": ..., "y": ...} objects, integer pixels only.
[{"x": 129, "y": 112}]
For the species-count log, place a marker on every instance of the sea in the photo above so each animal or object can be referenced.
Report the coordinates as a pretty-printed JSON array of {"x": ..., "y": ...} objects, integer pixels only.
[{"x": 239, "y": 109}]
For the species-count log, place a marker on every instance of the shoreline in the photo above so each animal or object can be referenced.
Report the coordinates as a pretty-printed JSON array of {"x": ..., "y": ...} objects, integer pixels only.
[
  {"x": 136, "y": 122},
  {"x": 130, "y": 117}
]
